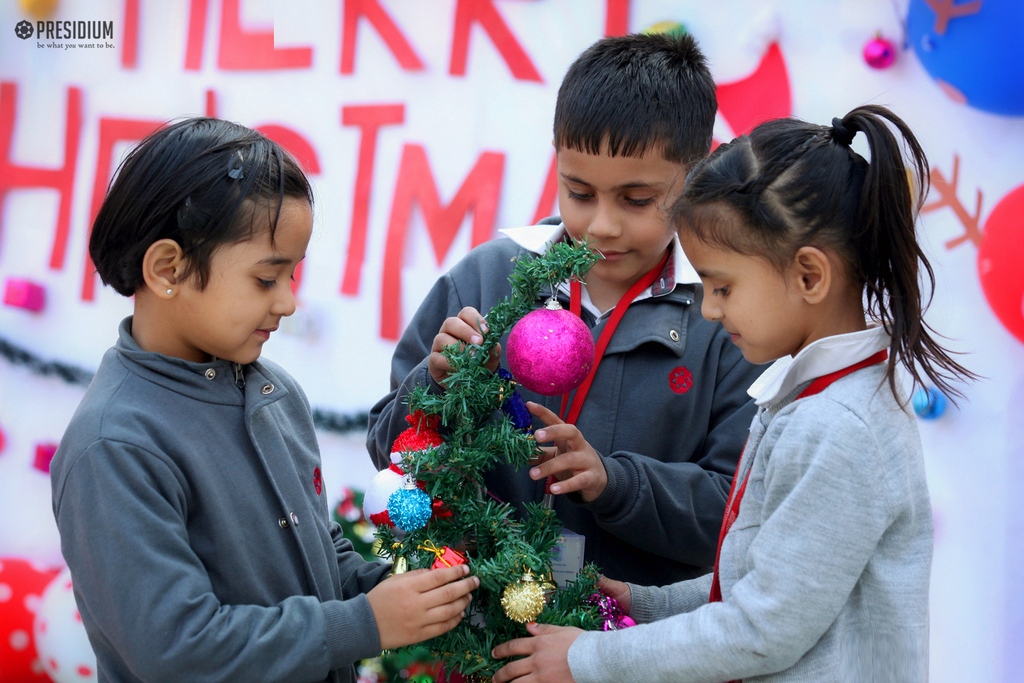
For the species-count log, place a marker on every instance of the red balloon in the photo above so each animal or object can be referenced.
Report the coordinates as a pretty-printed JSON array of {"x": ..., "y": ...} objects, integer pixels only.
[
  {"x": 21, "y": 588},
  {"x": 1001, "y": 261}
]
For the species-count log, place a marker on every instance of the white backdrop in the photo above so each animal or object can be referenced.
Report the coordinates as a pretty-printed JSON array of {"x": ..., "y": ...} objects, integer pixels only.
[{"x": 426, "y": 126}]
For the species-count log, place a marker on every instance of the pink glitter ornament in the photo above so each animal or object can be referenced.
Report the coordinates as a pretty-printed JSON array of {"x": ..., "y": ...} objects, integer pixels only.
[
  {"x": 879, "y": 53},
  {"x": 550, "y": 350}
]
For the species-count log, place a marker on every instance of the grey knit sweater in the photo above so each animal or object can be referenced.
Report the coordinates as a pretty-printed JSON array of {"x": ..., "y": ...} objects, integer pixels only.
[{"x": 825, "y": 571}]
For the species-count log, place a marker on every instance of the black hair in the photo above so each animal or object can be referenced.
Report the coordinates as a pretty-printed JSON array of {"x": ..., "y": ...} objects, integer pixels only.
[
  {"x": 199, "y": 182},
  {"x": 636, "y": 93},
  {"x": 793, "y": 183}
]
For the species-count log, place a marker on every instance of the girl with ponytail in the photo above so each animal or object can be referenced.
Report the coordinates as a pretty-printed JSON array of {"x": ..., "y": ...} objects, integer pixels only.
[{"x": 808, "y": 257}]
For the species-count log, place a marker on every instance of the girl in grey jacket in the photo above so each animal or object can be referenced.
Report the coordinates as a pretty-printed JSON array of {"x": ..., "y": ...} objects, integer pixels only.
[
  {"x": 808, "y": 254},
  {"x": 187, "y": 488}
]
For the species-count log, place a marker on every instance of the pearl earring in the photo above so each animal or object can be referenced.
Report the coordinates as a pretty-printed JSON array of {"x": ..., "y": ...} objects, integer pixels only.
[{"x": 170, "y": 291}]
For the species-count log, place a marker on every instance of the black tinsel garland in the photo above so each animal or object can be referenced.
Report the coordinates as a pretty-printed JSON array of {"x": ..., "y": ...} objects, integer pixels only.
[{"x": 323, "y": 419}]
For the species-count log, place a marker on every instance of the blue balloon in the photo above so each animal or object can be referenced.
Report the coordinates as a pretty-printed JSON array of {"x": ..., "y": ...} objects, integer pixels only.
[{"x": 975, "y": 52}]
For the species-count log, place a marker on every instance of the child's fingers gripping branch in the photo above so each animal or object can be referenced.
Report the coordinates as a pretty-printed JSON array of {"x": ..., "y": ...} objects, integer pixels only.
[
  {"x": 468, "y": 327},
  {"x": 577, "y": 465},
  {"x": 420, "y": 604}
]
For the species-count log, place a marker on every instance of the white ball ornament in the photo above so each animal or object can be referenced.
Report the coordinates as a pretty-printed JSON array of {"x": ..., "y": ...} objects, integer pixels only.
[{"x": 379, "y": 490}]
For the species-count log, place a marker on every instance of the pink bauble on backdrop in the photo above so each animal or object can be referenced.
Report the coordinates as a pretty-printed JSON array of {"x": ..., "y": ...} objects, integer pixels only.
[
  {"x": 879, "y": 53},
  {"x": 550, "y": 351}
]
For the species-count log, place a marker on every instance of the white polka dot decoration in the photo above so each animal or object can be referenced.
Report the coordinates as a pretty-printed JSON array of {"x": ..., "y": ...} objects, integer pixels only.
[
  {"x": 63, "y": 647},
  {"x": 22, "y": 583}
]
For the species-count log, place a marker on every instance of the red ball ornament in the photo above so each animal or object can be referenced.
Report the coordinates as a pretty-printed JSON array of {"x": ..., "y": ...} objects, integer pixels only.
[
  {"x": 550, "y": 350},
  {"x": 999, "y": 261},
  {"x": 879, "y": 53}
]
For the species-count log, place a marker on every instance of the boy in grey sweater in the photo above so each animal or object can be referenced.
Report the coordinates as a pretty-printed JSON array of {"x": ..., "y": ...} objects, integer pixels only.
[{"x": 658, "y": 435}]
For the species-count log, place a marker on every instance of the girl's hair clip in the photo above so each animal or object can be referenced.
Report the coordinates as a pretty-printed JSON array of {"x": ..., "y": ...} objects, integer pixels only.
[{"x": 236, "y": 172}]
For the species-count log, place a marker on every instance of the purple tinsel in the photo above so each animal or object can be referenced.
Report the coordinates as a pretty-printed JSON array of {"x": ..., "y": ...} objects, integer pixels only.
[
  {"x": 612, "y": 616},
  {"x": 515, "y": 407}
]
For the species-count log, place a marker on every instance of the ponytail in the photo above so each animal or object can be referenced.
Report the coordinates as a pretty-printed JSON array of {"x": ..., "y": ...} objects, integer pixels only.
[
  {"x": 794, "y": 184},
  {"x": 887, "y": 255}
]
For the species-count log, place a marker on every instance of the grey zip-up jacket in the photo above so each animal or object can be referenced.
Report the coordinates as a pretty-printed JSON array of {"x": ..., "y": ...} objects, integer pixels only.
[
  {"x": 668, "y": 412},
  {"x": 193, "y": 516}
]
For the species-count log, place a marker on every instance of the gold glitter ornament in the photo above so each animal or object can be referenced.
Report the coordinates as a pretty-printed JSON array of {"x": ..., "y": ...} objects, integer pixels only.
[{"x": 523, "y": 600}]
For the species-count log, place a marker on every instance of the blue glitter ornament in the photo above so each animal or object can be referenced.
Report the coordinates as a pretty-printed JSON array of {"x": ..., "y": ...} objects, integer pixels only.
[
  {"x": 515, "y": 407},
  {"x": 929, "y": 403},
  {"x": 410, "y": 508}
]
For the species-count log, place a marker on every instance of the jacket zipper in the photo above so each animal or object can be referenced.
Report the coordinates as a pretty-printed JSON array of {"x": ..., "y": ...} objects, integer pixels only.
[{"x": 239, "y": 377}]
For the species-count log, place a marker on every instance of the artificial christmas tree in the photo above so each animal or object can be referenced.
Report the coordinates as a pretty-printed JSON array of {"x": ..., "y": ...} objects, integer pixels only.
[{"x": 481, "y": 418}]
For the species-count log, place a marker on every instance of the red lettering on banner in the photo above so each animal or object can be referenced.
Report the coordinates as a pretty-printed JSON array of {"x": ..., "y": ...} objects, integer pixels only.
[
  {"x": 304, "y": 153},
  {"x": 298, "y": 146},
  {"x": 60, "y": 179},
  {"x": 548, "y": 194},
  {"x": 211, "y": 104},
  {"x": 616, "y": 18},
  {"x": 480, "y": 193},
  {"x": 239, "y": 50},
  {"x": 112, "y": 131},
  {"x": 386, "y": 27},
  {"x": 484, "y": 12},
  {"x": 242, "y": 50},
  {"x": 130, "y": 41},
  {"x": 197, "y": 10},
  {"x": 369, "y": 118}
]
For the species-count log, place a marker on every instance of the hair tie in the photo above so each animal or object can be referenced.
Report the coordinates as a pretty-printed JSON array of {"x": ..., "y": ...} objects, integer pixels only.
[
  {"x": 840, "y": 133},
  {"x": 236, "y": 172}
]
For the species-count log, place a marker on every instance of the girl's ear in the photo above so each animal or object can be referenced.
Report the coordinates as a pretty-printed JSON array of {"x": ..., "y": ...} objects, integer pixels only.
[
  {"x": 812, "y": 271},
  {"x": 162, "y": 268}
]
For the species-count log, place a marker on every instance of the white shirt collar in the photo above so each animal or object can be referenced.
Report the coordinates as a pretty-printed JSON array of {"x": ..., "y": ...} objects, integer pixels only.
[
  {"x": 818, "y": 358},
  {"x": 535, "y": 238}
]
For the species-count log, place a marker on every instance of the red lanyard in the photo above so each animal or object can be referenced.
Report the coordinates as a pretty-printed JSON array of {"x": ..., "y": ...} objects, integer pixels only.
[
  {"x": 575, "y": 306},
  {"x": 732, "y": 507}
]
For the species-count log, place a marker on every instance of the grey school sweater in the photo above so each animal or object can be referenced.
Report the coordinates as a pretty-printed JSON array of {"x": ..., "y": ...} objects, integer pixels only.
[
  {"x": 825, "y": 571},
  {"x": 194, "y": 520}
]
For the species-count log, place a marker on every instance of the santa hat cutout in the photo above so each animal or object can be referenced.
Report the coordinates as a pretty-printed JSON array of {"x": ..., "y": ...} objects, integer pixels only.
[{"x": 421, "y": 435}]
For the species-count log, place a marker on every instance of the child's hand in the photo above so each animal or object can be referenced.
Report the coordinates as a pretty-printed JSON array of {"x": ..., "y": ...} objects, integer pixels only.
[
  {"x": 468, "y": 328},
  {"x": 547, "y": 655},
  {"x": 576, "y": 464},
  {"x": 618, "y": 591},
  {"x": 420, "y": 604}
]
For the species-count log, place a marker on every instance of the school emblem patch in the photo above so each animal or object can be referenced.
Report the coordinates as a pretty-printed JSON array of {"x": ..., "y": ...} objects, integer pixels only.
[{"x": 680, "y": 380}]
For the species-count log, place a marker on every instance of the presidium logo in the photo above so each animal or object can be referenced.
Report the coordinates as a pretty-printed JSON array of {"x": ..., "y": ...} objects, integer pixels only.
[{"x": 59, "y": 33}]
